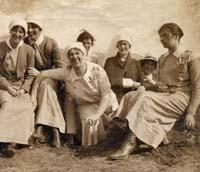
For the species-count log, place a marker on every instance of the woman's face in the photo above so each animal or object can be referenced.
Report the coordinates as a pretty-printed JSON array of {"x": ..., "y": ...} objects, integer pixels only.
[
  {"x": 168, "y": 39},
  {"x": 87, "y": 43},
  {"x": 123, "y": 47},
  {"x": 75, "y": 57},
  {"x": 148, "y": 67},
  {"x": 34, "y": 31},
  {"x": 17, "y": 34}
]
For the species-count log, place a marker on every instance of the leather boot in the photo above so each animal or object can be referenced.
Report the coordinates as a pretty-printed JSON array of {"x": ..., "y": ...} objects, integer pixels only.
[
  {"x": 127, "y": 147},
  {"x": 39, "y": 134},
  {"x": 9, "y": 151},
  {"x": 56, "y": 138}
]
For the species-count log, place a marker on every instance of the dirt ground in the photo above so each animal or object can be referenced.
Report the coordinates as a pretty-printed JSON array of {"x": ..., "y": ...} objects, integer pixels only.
[{"x": 181, "y": 155}]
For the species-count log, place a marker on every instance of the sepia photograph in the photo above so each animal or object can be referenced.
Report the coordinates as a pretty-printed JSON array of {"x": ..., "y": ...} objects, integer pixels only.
[{"x": 99, "y": 86}]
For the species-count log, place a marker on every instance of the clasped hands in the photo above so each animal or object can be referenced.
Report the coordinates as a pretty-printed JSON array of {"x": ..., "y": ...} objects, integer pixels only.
[{"x": 15, "y": 92}]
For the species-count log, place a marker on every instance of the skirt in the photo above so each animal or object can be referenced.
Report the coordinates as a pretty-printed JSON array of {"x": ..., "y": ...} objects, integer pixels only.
[
  {"x": 16, "y": 118},
  {"x": 48, "y": 111},
  {"x": 151, "y": 115}
]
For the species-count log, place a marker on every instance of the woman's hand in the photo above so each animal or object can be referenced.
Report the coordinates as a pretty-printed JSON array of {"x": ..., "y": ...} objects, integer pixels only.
[
  {"x": 93, "y": 119},
  {"x": 12, "y": 91},
  {"x": 190, "y": 121},
  {"x": 33, "y": 71}
]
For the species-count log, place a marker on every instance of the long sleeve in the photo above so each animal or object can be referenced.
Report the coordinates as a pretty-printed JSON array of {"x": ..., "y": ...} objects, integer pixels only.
[
  {"x": 114, "y": 76},
  {"x": 29, "y": 79},
  {"x": 56, "y": 56},
  {"x": 3, "y": 83},
  {"x": 194, "y": 71}
]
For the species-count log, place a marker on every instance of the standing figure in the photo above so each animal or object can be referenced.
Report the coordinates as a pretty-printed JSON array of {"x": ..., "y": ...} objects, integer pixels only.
[
  {"x": 16, "y": 110},
  {"x": 48, "y": 56}
]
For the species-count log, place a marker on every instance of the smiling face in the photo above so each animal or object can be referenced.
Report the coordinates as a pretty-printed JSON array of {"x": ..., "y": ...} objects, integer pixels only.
[
  {"x": 17, "y": 33},
  {"x": 123, "y": 47},
  {"x": 168, "y": 39},
  {"x": 34, "y": 31},
  {"x": 75, "y": 57}
]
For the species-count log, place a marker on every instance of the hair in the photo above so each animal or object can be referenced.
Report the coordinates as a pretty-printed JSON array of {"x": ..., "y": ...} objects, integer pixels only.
[
  {"x": 173, "y": 27},
  {"x": 85, "y": 35}
]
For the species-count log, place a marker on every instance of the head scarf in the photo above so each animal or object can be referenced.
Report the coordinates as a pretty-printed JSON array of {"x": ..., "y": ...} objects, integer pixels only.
[
  {"x": 77, "y": 45},
  {"x": 123, "y": 34},
  {"x": 36, "y": 20},
  {"x": 18, "y": 22}
]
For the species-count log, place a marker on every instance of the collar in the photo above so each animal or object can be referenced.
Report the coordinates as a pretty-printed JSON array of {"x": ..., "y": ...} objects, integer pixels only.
[
  {"x": 125, "y": 63},
  {"x": 72, "y": 74},
  {"x": 176, "y": 53},
  {"x": 9, "y": 45},
  {"x": 38, "y": 41}
]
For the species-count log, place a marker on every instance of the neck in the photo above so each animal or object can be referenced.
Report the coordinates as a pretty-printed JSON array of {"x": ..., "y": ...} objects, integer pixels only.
[
  {"x": 123, "y": 57},
  {"x": 173, "y": 49},
  {"x": 13, "y": 45},
  {"x": 80, "y": 70}
]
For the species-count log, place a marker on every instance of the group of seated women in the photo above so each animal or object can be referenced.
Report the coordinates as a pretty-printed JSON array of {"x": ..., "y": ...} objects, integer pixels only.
[{"x": 148, "y": 95}]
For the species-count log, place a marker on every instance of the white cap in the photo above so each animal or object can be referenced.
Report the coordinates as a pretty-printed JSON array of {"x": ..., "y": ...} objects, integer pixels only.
[
  {"x": 18, "y": 22},
  {"x": 77, "y": 45},
  {"x": 36, "y": 20},
  {"x": 124, "y": 34}
]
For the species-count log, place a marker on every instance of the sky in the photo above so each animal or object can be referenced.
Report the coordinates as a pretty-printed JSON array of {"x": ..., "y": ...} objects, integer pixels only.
[{"x": 63, "y": 20}]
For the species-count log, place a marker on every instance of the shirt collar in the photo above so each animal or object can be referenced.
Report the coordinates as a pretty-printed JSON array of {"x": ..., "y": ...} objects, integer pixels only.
[
  {"x": 40, "y": 39},
  {"x": 73, "y": 76},
  {"x": 176, "y": 53},
  {"x": 9, "y": 45}
]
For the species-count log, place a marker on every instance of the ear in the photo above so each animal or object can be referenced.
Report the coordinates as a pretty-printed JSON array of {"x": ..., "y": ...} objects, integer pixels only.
[{"x": 177, "y": 37}]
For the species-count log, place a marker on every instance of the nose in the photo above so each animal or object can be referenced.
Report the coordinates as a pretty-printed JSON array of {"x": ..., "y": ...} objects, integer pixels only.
[
  {"x": 161, "y": 38},
  {"x": 30, "y": 29},
  {"x": 17, "y": 34}
]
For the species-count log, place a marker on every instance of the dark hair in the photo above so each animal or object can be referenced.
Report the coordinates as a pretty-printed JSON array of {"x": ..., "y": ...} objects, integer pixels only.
[
  {"x": 173, "y": 27},
  {"x": 85, "y": 35}
]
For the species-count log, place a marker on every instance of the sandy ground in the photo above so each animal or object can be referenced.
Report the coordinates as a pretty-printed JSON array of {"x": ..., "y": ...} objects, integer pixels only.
[{"x": 181, "y": 155}]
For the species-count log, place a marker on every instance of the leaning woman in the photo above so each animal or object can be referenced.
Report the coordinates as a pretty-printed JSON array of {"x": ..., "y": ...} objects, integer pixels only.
[
  {"x": 16, "y": 111},
  {"x": 150, "y": 115},
  {"x": 89, "y": 86}
]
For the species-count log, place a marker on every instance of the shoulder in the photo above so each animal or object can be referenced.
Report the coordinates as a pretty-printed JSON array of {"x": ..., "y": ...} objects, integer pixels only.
[
  {"x": 3, "y": 44},
  {"x": 49, "y": 40},
  {"x": 110, "y": 59},
  {"x": 135, "y": 56},
  {"x": 3, "y": 48},
  {"x": 95, "y": 68},
  {"x": 27, "y": 49},
  {"x": 162, "y": 57}
]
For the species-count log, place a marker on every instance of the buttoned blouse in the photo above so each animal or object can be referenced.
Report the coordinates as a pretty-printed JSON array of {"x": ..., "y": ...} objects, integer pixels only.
[
  {"x": 181, "y": 71},
  {"x": 90, "y": 87}
]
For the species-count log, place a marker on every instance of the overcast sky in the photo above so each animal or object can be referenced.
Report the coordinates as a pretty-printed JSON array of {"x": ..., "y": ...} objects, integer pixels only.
[{"x": 103, "y": 18}]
